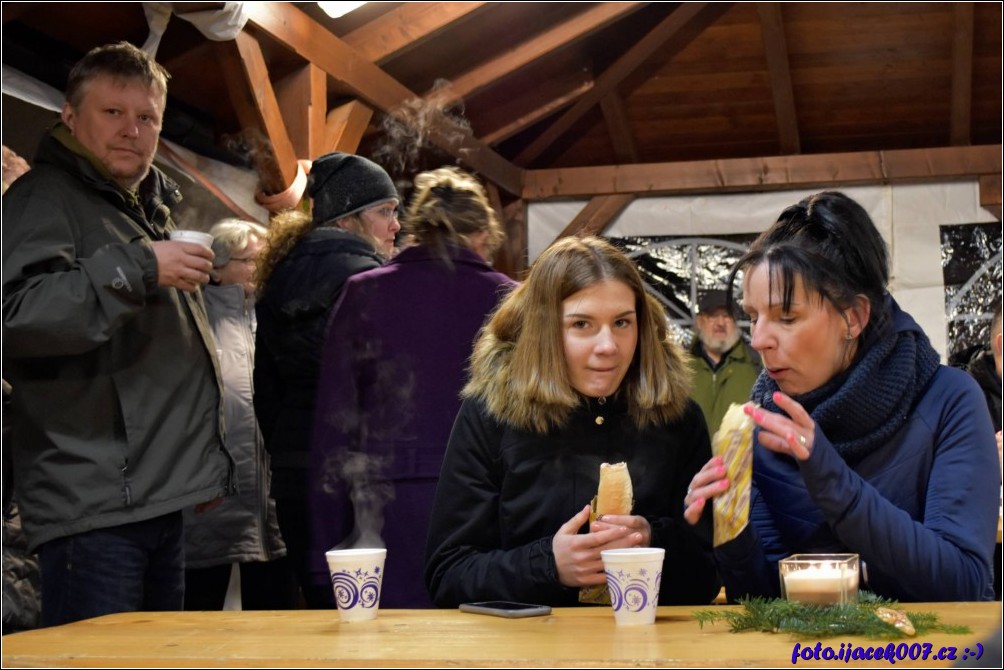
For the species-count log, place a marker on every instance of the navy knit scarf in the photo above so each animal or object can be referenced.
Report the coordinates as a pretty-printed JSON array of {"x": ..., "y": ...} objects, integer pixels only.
[{"x": 861, "y": 409}]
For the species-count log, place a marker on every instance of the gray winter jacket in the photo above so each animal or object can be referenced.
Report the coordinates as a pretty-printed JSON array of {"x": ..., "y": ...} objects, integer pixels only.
[
  {"x": 244, "y": 527},
  {"x": 117, "y": 416}
]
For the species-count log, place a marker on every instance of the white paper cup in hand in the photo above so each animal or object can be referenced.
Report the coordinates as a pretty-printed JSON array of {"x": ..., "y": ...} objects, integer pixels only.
[
  {"x": 357, "y": 578},
  {"x": 195, "y": 236},
  {"x": 633, "y": 578}
]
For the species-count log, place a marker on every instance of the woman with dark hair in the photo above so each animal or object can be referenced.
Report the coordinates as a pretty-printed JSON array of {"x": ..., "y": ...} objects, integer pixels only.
[
  {"x": 300, "y": 274},
  {"x": 394, "y": 365},
  {"x": 866, "y": 443},
  {"x": 574, "y": 369}
]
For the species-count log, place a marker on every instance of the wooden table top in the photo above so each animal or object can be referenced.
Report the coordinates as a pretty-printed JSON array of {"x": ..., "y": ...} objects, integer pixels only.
[{"x": 569, "y": 637}]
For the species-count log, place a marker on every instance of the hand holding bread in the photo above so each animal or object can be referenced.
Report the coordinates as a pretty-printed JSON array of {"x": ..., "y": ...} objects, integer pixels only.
[
  {"x": 576, "y": 555},
  {"x": 726, "y": 477}
]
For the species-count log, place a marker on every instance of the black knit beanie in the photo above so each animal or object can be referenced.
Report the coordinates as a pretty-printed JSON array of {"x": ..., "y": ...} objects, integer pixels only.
[{"x": 342, "y": 184}]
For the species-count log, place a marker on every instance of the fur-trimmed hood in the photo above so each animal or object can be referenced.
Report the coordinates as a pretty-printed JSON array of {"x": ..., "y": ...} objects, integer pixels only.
[{"x": 543, "y": 405}]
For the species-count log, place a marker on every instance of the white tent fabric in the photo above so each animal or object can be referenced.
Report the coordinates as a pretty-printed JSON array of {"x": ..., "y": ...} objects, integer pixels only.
[{"x": 908, "y": 216}]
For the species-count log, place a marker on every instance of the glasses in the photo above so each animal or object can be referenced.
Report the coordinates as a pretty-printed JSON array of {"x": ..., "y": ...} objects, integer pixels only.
[
  {"x": 386, "y": 212},
  {"x": 251, "y": 260}
]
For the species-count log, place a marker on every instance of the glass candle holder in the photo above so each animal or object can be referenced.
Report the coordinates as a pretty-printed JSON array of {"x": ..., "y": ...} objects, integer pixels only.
[{"x": 820, "y": 579}]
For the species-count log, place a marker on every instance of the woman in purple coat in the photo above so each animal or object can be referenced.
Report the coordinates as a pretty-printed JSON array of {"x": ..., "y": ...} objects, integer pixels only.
[{"x": 394, "y": 363}]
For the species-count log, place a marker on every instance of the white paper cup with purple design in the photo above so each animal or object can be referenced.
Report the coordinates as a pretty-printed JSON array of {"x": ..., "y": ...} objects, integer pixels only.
[
  {"x": 633, "y": 578},
  {"x": 357, "y": 579}
]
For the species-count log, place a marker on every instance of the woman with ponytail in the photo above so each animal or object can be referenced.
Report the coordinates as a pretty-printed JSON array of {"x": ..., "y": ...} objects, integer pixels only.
[{"x": 394, "y": 363}]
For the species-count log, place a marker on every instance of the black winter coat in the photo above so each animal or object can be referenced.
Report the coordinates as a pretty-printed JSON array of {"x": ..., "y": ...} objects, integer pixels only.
[
  {"x": 292, "y": 324},
  {"x": 503, "y": 494}
]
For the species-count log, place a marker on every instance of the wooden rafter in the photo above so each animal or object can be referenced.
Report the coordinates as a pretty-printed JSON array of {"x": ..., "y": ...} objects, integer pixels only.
[
  {"x": 563, "y": 93},
  {"x": 625, "y": 149},
  {"x": 990, "y": 194},
  {"x": 406, "y": 27},
  {"x": 962, "y": 74},
  {"x": 346, "y": 125},
  {"x": 511, "y": 257},
  {"x": 308, "y": 39},
  {"x": 597, "y": 215},
  {"x": 674, "y": 32},
  {"x": 257, "y": 107},
  {"x": 564, "y": 35},
  {"x": 776, "y": 49},
  {"x": 303, "y": 99},
  {"x": 764, "y": 174}
]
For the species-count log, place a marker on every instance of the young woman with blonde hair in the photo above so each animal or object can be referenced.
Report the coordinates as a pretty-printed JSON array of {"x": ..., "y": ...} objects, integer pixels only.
[{"x": 575, "y": 368}]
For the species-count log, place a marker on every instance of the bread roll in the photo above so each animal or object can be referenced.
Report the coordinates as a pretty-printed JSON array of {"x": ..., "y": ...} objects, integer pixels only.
[{"x": 615, "y": 494}]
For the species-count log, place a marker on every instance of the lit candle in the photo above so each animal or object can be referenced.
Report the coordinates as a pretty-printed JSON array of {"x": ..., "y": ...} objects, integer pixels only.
[{"x": 822, "y": 584}]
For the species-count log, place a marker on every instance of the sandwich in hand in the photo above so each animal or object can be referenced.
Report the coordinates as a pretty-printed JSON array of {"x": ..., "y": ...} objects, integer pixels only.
[
  {"x": 615, "y": 495},
  {"x": 734, "y": 443}
]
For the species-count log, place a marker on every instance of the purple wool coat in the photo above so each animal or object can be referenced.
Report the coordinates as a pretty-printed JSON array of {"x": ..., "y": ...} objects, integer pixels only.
[{"x": 394, "y": 363}]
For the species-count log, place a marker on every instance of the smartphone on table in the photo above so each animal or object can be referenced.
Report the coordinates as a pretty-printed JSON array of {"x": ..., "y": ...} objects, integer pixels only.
[{"x": 505, "y": 608}]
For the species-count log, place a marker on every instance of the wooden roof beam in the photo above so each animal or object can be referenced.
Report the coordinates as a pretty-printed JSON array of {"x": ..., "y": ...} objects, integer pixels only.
[
  {"x": 625, "y": 148},
  {"x": 765, "y": 174},
  {"x": 674, "y": 32},
  {"x": 308, "y": 39},
  {"x": 346, "y": 126},
  {"x": 962, "y": 74},
  {"x": 303, "y": 99},
  {"x": 511, "y": 256},
  {"x": 778, "y": 69},
  {"x": 403, "y": 28},
  {"x": 565, "y": 34},
  {"x": 257, "y": 107},
  {"x": 990, "y": 194},
  {"x": 524, "y": 121},
  {"x": 597, "y": 215}
]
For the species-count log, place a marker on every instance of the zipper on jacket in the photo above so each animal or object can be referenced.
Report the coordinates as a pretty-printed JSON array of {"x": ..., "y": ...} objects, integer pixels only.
[
  {"x": 126, "y": 489},
  {"x": 259, "y": 449}
]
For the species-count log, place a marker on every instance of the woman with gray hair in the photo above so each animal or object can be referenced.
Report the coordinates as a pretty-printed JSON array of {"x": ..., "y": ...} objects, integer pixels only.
[{"x": 243, "y": 529}]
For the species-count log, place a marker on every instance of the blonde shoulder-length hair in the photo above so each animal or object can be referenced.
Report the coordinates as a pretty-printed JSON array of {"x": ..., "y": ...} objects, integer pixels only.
[{"x": 518, "y": 366}]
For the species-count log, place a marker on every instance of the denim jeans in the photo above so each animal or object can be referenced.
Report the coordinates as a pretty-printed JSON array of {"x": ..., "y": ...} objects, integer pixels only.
[{"x": 134, "y": 567}]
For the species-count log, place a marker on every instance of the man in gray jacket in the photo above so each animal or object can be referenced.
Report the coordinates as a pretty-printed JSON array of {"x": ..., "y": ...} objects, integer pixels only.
[{"x": 116, "y": 391}]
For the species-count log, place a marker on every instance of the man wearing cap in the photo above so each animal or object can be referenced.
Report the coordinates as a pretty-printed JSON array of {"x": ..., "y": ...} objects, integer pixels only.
[
  {"x": 724, "y": 366},
  {"x": 300, "y": 276}
]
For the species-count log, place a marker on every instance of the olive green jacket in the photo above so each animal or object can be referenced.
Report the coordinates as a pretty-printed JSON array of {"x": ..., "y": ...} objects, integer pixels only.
[{"x": 715, "y": 390}]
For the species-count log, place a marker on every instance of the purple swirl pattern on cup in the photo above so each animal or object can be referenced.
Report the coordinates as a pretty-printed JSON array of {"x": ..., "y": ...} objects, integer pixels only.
[
  {"x": 630, "y": 591},
  {"x": 356, "y": 587}
]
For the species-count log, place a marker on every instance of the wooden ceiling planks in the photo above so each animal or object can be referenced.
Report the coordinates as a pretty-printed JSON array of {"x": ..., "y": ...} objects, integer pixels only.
[{"x": 760, "y": 94}]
